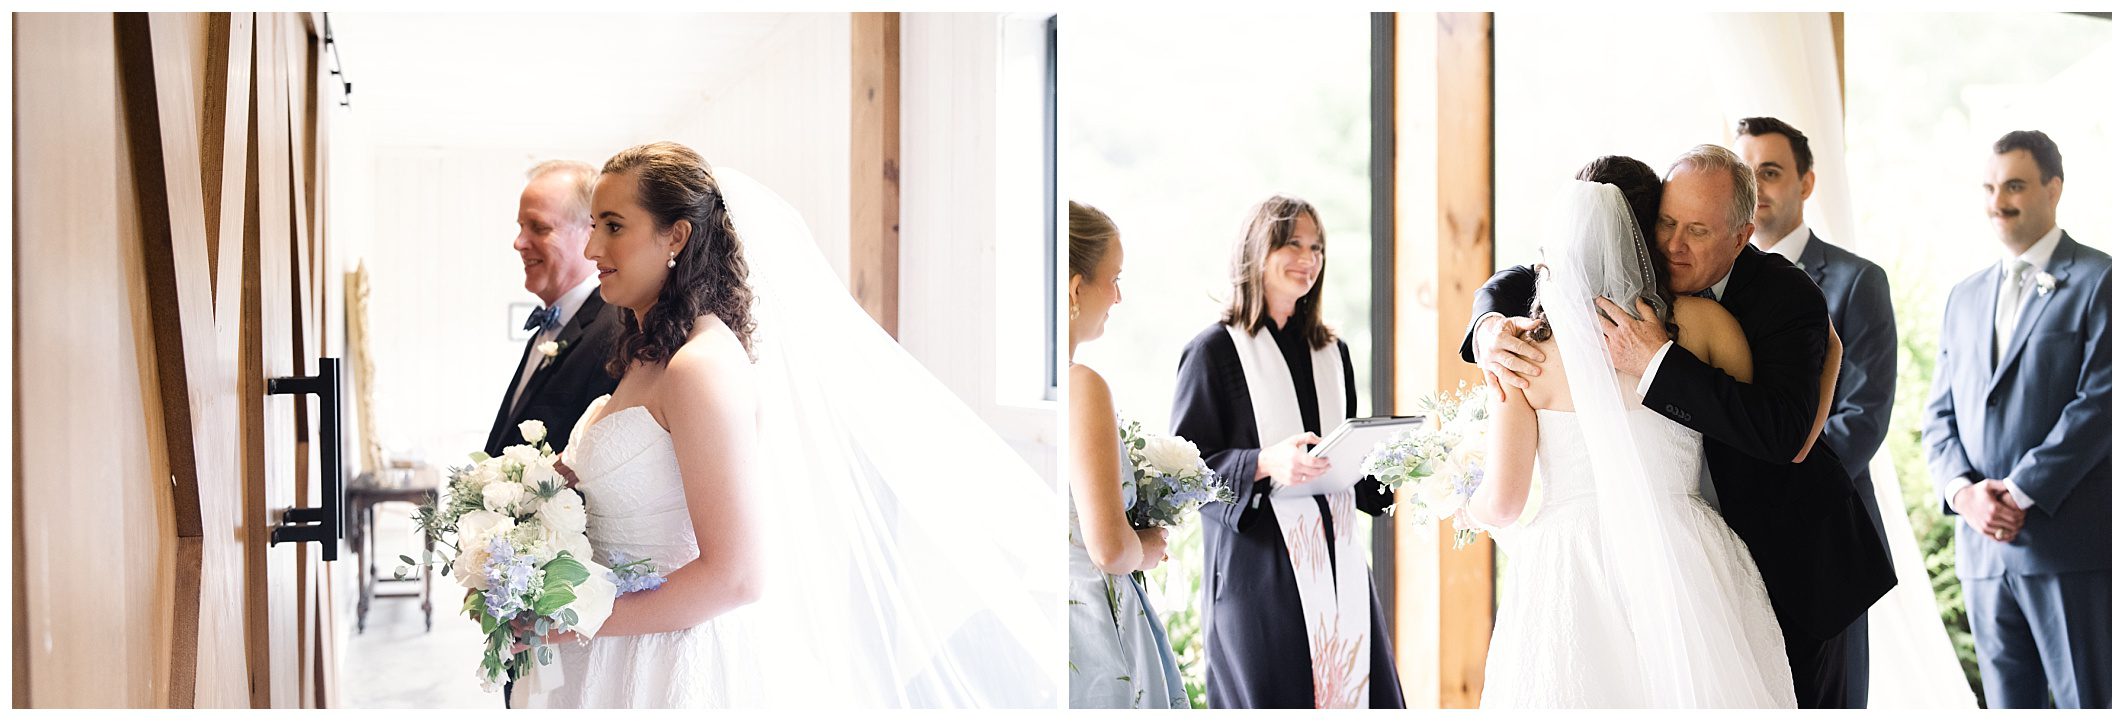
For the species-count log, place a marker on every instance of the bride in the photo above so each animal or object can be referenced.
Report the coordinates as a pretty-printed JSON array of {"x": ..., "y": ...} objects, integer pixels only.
[
  {"x": 782, "y": 471},
  {"x": 1625, "y": 589}
]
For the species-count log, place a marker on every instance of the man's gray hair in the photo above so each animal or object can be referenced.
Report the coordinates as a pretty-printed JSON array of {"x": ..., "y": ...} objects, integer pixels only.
[
  {"x": 585, "y": 179},
  {"x": 1715, "y": 158}
]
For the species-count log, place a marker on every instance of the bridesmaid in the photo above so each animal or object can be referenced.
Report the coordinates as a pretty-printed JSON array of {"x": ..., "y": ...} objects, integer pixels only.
[
  {"x": 1118, "y": 654},
  {"x": 1255, "y": 391}
]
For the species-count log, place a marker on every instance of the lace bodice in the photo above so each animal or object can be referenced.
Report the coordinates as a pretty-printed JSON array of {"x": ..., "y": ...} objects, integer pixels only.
[
  {"x": 1673, "y": 454},
  {"x": 628, "y": 473}
]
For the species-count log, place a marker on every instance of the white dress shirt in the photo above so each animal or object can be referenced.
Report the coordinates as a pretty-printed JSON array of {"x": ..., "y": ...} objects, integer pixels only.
[
  {"x": 2038, "y": 259},
  {"x": 1792, "y": 245},
  {"x": 569, "y": 302}
]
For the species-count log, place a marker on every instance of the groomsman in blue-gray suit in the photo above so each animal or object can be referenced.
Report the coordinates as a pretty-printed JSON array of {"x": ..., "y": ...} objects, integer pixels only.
[
  {"x": 1859, "y": 309},
  {"x": 2017, "y": 435}
]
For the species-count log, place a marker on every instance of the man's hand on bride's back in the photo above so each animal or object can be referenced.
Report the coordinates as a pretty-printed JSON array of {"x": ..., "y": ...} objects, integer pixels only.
[{"x": 1505, "y": 353}]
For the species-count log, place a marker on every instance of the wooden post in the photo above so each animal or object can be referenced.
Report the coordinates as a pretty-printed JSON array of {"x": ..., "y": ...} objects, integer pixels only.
[
  {"x": 1444, "y": 595},
  {"x": 1836, "y": 37},
  {"x": 1466, "y": 200},
  {"x": 874, "y": 166}
]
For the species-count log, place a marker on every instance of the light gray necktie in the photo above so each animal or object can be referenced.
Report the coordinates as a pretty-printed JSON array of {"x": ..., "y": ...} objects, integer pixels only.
[{"x": 2009, "y": 308}]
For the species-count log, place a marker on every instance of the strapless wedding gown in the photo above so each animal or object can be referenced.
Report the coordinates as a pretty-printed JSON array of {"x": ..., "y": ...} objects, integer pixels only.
[
  {"x": 1563, "y": 639},
  {"x": 636, "y": 503}
]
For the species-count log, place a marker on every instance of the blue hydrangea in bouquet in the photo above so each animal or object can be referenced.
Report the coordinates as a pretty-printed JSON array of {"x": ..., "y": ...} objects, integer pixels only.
[{"x": 511, "y": 531}]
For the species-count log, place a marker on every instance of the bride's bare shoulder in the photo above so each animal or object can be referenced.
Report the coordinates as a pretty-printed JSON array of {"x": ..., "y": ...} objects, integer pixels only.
[
  {"x": 1704, "y": 321},
  {"x": 712, "y": 364}
]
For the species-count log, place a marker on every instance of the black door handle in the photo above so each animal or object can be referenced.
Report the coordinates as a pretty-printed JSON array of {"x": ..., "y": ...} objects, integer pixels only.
[{"x": 325, "y": 524}]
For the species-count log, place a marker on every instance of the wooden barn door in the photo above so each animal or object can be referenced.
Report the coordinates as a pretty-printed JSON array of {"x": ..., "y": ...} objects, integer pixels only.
[{"x": 170, "y": 260}]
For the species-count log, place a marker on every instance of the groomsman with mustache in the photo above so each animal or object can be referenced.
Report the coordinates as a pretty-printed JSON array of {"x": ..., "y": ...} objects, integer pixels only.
[{"x": 2017, "y": 436}]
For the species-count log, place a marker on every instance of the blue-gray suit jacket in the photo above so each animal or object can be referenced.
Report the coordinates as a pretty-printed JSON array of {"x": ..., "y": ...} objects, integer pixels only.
[
  {"x": 1864, "y": 317},
  {"x": 2039, "y": 418}
]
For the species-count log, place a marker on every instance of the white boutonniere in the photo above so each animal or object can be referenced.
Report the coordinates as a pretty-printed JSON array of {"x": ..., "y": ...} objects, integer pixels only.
[
  {"x": 2045, "y": 282},
  {"x": 551, "y": 349}
]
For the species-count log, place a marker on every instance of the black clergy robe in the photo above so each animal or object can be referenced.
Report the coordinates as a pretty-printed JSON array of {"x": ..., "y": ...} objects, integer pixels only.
[{"x": 1259, "y": 656}]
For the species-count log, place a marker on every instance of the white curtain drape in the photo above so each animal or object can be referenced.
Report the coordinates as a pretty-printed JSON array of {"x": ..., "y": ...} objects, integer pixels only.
[{"x": 1784, "y": 65}]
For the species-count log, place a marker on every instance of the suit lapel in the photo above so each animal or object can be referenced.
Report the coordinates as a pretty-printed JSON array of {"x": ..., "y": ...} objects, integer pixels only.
[
  {"x": 2032, "y": 309},
  {"x": 1745, "y": 268},
  {"x": 502, "y": 415},
  {"x": 569, "y": 334},
  {"x": 1814, "y": 257}
]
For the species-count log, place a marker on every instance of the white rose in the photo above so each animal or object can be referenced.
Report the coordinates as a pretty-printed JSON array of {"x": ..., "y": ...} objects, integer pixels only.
[
  {"x": 1438, "y": 497},
  {"x": 564, "y": 511},
  {"x": 479, "y": 475},
  {"x": 524, "y": 456},
  {"x": 503, "y": 497},
  {"x": 548, "y": 349},
  {"x": 540, "y": 474},
  {"x": 533, "y": 430},
  {"x": 474, "y": 530},
  {"x": 593, "y": 600},
  {"x": 1171, "y": 455}
]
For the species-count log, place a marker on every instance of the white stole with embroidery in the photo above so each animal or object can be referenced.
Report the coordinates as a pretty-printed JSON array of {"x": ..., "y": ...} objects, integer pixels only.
[{"x": 1337, "y": 601}]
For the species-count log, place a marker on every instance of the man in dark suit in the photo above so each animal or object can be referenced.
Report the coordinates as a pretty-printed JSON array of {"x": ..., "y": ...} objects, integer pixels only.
[
  {"x": 563, "y": 366},
  {"x": 1817, "y": 550},
  {"x": 1859, "y": 309},
  {"x": 2017, "y": 436}
]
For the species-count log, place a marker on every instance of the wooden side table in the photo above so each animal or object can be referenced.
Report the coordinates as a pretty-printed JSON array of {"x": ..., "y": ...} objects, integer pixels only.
[{"x": 362, "y": 496}]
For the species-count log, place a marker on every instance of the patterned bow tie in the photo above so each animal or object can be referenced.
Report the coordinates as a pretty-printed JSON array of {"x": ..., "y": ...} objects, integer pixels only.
[
  {"x": 1705, "y": 293},
  {"x": 542, "y": 319}
]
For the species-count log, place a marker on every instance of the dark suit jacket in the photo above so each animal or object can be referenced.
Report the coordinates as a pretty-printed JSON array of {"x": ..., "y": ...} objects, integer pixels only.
[
  {"x": 1859, "y": 305},
  {"x": 1811, "y": 537},
  {"x": 559, "y": 391},
  {"x": 2039, "y": 417}
]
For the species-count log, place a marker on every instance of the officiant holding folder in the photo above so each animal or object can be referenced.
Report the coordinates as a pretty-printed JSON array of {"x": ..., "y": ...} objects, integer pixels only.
[{"x": 1255, "y": 391}]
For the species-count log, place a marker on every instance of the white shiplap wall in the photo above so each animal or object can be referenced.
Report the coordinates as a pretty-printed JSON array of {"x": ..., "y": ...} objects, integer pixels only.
[{"x": 952, "y": 275}]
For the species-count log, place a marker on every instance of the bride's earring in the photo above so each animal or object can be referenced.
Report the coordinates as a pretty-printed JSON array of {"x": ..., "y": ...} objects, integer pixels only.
[
  {"x": 1072, "y": 311},
  {"x": 673, "y": 262}
]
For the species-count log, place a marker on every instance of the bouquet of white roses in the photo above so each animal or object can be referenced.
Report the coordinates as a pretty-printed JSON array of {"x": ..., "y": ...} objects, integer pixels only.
[
  {"x": 1169, "y": 479},
  {"x": 515, "y": 538},
  {"x": 1442, "y": 462}
]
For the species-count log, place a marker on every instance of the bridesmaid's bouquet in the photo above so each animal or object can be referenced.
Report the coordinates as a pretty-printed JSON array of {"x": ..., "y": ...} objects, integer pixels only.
[
  {"x": 516, "y": 540},
  {"x": 1441, "y": 463},
  {"x": 1169, "y": 481}
]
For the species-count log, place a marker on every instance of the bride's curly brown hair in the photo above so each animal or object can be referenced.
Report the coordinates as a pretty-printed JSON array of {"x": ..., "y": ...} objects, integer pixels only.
[{"x": 673, "y": 183}]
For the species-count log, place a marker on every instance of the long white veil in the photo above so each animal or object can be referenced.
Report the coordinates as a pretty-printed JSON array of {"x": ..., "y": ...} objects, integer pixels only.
[
  {"x": 1684, "y": 641},
  {"x": 913, "y": 555}
]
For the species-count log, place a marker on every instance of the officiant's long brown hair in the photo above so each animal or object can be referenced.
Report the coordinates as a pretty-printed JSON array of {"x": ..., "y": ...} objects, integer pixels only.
[
  {"x": 1268, "y": 227},
  {"x": 675, "y": 184}
]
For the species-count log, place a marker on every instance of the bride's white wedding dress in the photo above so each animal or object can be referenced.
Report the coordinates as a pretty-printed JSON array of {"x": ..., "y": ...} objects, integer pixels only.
[
  {"x": 629, "y": 477},
  {"x": 898, "y": 567},
  {"x": 1563, "y": 639},
  {"x": 1623, "y": 589}
]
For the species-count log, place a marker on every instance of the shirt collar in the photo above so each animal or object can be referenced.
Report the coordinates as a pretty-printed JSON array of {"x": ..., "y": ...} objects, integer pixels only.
[
  {"x": 2038, "y": 255},
  {"x": 1718, "y": 289},
  {"x": 1792, "y": 245},
  {"x": 573, "y": 300}
]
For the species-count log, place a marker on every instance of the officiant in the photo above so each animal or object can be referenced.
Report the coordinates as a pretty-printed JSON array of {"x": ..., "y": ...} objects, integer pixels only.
[{"x": 1291, "y": 618}]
